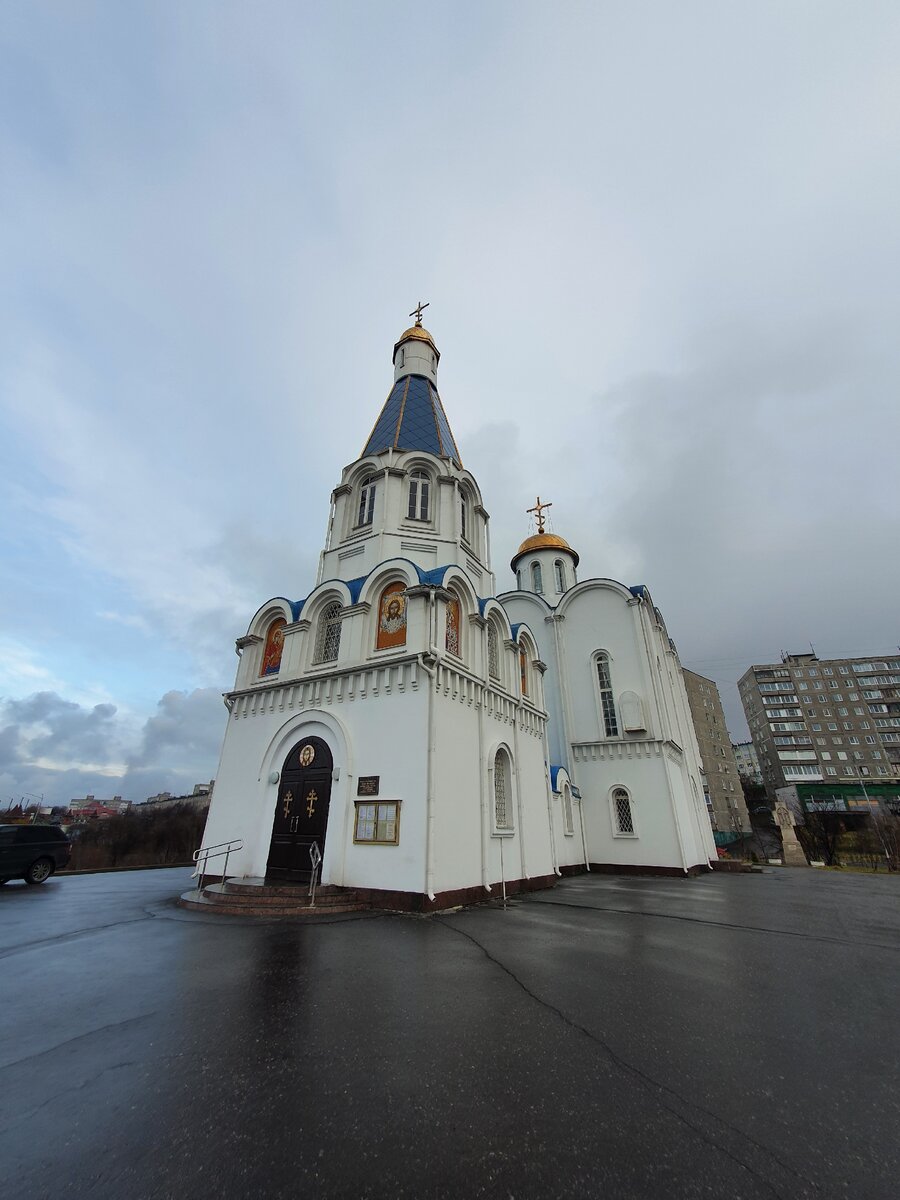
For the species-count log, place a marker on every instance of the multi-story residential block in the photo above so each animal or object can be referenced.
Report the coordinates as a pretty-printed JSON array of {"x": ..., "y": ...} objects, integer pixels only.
[
  {"x": 825, "y": 720},
  {"x": 724, "y": 794},
  {"x": 747, "y": 762},
  {"x": 90, "y": 804}
]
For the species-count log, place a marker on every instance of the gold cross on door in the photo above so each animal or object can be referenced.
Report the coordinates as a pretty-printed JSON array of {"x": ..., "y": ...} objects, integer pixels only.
[
  {"x": 311, "y": 806},
  {"x": 288, "y": 801}
]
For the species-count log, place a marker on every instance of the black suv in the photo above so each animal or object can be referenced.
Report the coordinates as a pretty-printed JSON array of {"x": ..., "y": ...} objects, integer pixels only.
[{"x": 32, "y": 852}]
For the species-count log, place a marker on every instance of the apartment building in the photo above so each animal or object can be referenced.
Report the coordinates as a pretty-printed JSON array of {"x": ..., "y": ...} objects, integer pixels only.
[
  {"x": 825, "y": 720},
  {"x": 724, "y": 794},
  {"x": 747, "y": 762}
]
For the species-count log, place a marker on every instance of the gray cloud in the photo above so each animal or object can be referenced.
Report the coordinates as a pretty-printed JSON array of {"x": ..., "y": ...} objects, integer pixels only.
[
  {"x": 43, "y": 737},
  {"x": 662, "y": 252}
]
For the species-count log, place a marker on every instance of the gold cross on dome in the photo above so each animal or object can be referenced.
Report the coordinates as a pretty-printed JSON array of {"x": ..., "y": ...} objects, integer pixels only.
[
  {"x": 417, "y": 312},
  {"x": 538, "y": 510}
]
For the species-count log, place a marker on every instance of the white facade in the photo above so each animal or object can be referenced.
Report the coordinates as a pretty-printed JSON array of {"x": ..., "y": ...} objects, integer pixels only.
[{"x": 474, "y": 720}]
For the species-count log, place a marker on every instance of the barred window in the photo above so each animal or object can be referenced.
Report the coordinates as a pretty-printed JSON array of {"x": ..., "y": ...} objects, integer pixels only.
[
  {"x": 622, "y": 812},
  {"x": 493, "y": 651},
  {"x": 607, "y": 700},
  {"x": 537, "y": 578},
  {"x": 502, "y": 813},
  {"x": 367, "y": 501},
  {"x": 328, "y": 635},
  {"x": 418, "y": 496},
  {"x": 567, "y": 810}
]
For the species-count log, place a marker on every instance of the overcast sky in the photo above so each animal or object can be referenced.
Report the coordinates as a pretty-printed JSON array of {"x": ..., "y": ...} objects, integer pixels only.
[{"x": 660, "y": 243}]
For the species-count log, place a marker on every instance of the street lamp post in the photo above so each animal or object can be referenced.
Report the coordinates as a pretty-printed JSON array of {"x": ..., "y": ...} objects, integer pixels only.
[{"x": 37, "y": 811}]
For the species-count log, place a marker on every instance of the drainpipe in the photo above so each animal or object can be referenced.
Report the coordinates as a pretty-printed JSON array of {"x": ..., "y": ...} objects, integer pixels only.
[
  {"x": 428, "y": 663},
  {"x": 587, "y": 857},
  {"x": 554, "y": 857},
  {"x": 483, "y": 797}
]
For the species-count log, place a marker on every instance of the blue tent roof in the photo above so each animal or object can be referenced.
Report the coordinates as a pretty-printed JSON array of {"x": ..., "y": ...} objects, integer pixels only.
[{"x": 413, "y": 418}]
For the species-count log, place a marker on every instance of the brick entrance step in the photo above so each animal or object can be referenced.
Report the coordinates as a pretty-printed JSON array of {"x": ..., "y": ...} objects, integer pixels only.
[{"x": 256, "y": 898}]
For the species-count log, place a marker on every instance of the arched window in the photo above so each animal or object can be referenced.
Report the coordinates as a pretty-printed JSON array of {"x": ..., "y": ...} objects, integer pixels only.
[
  {"x": 464, "y": 517},
  {"x": 537, "y": 578},
  {"x": 560, "y": 572},
  {"x": 607, "y": 700},
  {"x": 271, "y": 660},
  {"x": 367, "y": 501},
  {"x": 451, "y": 636},
  {"x": 391, "y": 617},
  {"x": 493, "y": 639},
  {"x": 519, "y": 580},
  {"x": 569, "y": 821},
  {"x": 623, "y": 819},
  {"x": 523, "y": 669},
  {"x": 328, "y": 634},
  {"x": 419, "y": 488},
  {"x": 502, "y": 792}
]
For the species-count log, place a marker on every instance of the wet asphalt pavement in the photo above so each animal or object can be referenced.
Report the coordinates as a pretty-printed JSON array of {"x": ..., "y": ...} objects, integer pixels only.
[{"x": 732, "y": 1036}]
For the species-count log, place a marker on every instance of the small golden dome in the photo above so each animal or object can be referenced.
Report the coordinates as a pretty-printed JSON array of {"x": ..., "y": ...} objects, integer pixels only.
[
  {"x": 544, "y": 541},
  {"x": 418, "y": 334},
  {"x": 416, "y": 331}
]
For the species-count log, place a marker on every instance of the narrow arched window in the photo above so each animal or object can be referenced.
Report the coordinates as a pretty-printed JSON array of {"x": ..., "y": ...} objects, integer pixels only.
[
  {"x": 419, "y": 488},
  {"x": 367, "y": 501},
  {"x": 493, "y": 640},
  {"x": 567, "y": 809},
  {"x": 464, "y": 518},
  {"x": 622, "y": 815},
  {"x": 560, "y": 571},
  {"x": 523, "y": 670},
  {"x": 391, "y": 617},
  {"x": 537, "y": 578},
  {"x": 451, "y": 635},
  {"x": 328, "y": 634},
  {"x": 502, "y": 797},
  {"x": 271, "y": 660},
  {"x": 519, "y": 580},
  {"x": 607, "y": 700}
]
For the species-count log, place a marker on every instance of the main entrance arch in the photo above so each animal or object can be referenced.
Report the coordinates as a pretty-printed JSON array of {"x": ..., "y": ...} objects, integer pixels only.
[{"x": 301, "y": 814}]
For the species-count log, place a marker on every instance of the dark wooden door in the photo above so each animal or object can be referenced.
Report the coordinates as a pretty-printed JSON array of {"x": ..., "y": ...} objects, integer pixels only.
[{"x": 301, "y": 815}]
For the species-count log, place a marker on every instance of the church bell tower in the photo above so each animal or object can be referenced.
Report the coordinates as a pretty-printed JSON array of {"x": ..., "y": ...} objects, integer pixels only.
[{"x": 408, "y": 494}]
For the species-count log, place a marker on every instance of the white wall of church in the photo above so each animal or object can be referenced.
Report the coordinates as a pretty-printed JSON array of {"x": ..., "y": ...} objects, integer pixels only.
[
  {"x": 372, "y": 735},
  {"x": 603, "y": 616}
]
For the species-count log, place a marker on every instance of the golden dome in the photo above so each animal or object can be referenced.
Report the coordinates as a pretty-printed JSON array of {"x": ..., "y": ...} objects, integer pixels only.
[
  {"x": 544, "y": 541},
  {"x": 416, "y": 331}
]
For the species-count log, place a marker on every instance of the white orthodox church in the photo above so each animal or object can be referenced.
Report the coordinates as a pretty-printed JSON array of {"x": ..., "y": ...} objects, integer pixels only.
[{"x": 439, "y": 742}]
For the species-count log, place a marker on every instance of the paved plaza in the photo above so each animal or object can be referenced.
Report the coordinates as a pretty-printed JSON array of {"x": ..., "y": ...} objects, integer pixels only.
[{"x": 730, "y": 1036}]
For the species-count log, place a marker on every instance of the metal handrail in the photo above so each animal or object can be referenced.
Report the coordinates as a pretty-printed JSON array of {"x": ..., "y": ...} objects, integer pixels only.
[{"x": 216, "y": 851}]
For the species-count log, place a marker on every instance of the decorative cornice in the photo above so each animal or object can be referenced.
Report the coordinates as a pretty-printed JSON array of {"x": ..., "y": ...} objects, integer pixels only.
[
  {"x": 249, "y": 639},
  {"x": 363, "y": 606},
  {"x": 342, "y": 489}
]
